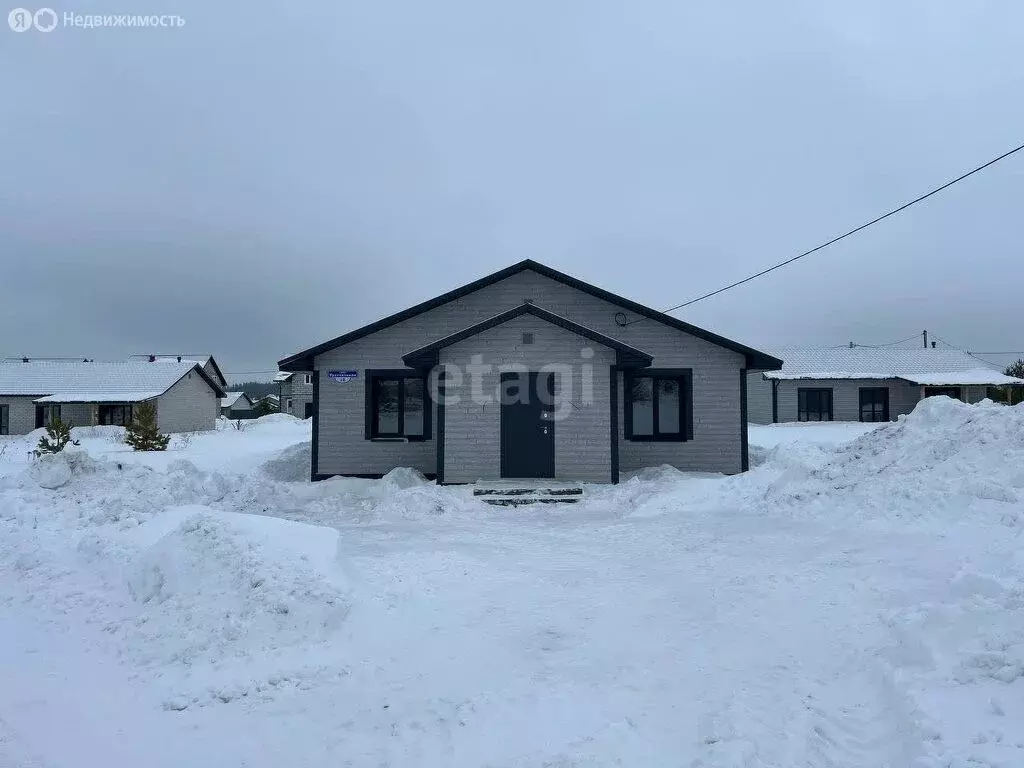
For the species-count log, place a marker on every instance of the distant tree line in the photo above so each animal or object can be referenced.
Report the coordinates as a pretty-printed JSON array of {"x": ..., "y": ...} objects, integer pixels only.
[{"x": 255, "y": 389}]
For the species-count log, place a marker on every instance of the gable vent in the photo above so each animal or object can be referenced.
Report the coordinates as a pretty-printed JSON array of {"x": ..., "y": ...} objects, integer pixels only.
[{"x": 527, "y": 338}]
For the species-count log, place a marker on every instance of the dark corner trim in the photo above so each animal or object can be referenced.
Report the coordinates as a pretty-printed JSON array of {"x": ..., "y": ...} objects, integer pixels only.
[
  {"x": 439, "y": 475},
  {"x": 315, "y": 448},
  {"x": 744, "y": 446},
  {"x": 613, "y": 396}
]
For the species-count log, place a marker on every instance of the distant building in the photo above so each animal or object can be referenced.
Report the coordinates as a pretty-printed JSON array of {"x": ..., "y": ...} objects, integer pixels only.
[
  {"x": 237, "y": 405},
  {"x": 864, "y": 384},
  {"x": 296, "y": 393},
  {"x": 86, "y": 393},
  {"x": 273, "y": 401}
]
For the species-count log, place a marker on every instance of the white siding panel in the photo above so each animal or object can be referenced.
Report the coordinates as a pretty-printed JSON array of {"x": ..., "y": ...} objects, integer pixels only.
[{"x": 583, "y": 430}]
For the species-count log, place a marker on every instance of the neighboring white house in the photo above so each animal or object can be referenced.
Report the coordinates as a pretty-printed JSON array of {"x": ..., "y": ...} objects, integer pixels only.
[
  {"x": 83, "y": 393},
  {"x": 865, "y": 384},
  {"x": 295, "y": 393},
  {"x": 237, "y": 405}
]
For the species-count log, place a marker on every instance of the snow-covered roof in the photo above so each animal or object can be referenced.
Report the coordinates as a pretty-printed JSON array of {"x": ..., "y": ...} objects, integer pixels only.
[
  {"x": 114, "y": 396},
  {"x": 921, "y": 366},
  {"x": 230, "y": 398},
  {"x": 978, "y": 376},
  {"x": 283, "y": 376},
  {"x": 101, "y": 381}
]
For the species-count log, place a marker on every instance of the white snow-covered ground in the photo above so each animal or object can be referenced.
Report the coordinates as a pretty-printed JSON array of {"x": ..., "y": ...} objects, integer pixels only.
[{"x": 857, "y": 599}]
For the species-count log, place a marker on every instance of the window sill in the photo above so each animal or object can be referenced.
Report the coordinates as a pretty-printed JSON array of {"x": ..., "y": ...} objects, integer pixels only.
[{"x": 398, "y": 439}]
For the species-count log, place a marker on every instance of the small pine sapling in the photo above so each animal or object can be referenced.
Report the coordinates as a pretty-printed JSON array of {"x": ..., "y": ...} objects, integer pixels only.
[
  {"x": 58, "y": 435},
  {"x": 142, "y": 433}
]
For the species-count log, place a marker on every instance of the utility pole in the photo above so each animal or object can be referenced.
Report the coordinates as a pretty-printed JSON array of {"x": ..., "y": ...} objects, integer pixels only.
[{"x": 924, "y": 334}]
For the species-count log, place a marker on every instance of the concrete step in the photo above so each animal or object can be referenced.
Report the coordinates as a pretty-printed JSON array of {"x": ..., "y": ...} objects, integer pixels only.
[
  {"x": 522, "y": 501},
  {"x": 519, "y": 495}
]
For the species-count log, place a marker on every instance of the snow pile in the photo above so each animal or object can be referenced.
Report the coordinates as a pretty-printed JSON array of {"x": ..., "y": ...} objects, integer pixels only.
[
  {"x": 291, "y": 465},
  {"x": 221, "y": 585},
  {"x": 942, "y": 459},
  {"x": 54, "y": 470}
]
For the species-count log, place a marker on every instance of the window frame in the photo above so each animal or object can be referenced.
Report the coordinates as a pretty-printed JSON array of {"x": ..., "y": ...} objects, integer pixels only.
[
  {"x": 105, "y": 409},
  {"x": 5, "y": 419},
  {"x": 803, "y": 392},
  {"x": 307, "y": 378},
  {"x": 371, "y": 431},
  {"x": 861, "y": 392},
  {"x": 684, "y": 378}
]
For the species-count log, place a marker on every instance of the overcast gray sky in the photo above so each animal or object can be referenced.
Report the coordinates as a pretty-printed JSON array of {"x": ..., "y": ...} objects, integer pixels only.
[{"x": 271, "y": 175}]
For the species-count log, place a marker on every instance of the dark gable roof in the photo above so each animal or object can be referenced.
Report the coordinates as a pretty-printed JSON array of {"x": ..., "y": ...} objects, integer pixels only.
[
  {"x": 303, "y": 361},
  {"x": 426, "y": 357}
]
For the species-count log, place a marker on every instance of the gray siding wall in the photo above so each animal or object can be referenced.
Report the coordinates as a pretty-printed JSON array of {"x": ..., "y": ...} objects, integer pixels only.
[
  {"x": 716, "y": 379},
  {"x": 22, "y": 414},
  {"x": 299, "y": 392},
  {"x": 759, "y": 398},
  {"x": 189, "y": 406},
  {"x": 583, "y": 418},
  {"x": 846, "y": 397}
]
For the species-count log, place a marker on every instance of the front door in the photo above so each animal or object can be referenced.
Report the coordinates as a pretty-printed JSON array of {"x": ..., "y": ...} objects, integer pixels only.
[
  {"x": 40, "y": 416},
  {"x": 527, "y": 426}
]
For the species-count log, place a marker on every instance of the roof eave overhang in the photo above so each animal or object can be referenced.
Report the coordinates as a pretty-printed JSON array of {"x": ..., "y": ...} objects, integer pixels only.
[{"x": 754, "y": 360}]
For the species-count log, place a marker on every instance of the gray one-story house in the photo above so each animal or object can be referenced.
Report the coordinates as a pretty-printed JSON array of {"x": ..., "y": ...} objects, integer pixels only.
[
  {"x": 865, "y": 384},
  {"x": 88, "y": 393},
  {"x": 237, "y": 405},
  {"x": 295, "y": 393},
  {"x": 528, "y": 373}
]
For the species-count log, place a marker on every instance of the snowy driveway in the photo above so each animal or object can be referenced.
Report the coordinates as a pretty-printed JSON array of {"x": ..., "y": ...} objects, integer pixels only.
[{"x": 856, "y": 606}]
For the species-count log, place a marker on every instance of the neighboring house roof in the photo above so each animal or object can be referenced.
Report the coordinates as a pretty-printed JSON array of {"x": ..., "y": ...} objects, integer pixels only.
[
  {"x": 426, "y": 356},
  {"x": 303, "y": 361},
  {"x": 231, "y": 398},
  {"x": 283, "y": 376},
  {"x": 931, "y": 367},
  {"x": 198, "y": 359},
  {"x": 274, "y": 398},
  {"x": 113, "y": 396},
  {"x": 96, "y": 382}
]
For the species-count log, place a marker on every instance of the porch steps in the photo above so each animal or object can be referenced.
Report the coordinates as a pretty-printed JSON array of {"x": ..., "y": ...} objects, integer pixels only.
[{"x": 516, "y": 496}]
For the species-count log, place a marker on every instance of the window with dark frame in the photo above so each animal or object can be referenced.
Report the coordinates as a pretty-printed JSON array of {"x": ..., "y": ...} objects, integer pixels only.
[
  {"x": 5, "y": 420},
  {"x": 115, "y": 414},
  {"x": 398, "y": 406},
  {"x": 814, "y": 404},
  {"x": 659, "y": 406},
  {"x": 874, "y": 404}
]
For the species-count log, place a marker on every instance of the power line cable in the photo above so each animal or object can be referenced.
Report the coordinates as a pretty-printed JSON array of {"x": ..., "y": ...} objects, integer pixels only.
[
  {"x": 967, "y": 352},
  {"x": 853, "y": 231},
  {"x": 889, "y": 343}
]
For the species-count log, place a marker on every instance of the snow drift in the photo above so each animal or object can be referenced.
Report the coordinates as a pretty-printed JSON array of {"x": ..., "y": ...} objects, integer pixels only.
[{"x": 221, "y": 585}]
